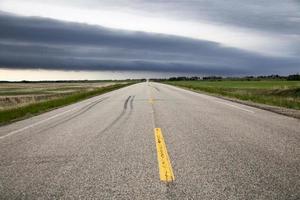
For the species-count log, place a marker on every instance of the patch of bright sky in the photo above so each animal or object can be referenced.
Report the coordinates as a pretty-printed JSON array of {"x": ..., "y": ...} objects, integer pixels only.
[
  {"x": 124, "y": 19},
  {"x": 52, "y": 75}
]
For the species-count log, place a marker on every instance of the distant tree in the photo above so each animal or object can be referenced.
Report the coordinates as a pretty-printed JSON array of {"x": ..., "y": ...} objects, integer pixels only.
[
  {"x": 194, "y": 78},
  {"x": 294, "y": 77},
  {"x": 213, "y": 78},
  {"x": 25, "y": 81}
]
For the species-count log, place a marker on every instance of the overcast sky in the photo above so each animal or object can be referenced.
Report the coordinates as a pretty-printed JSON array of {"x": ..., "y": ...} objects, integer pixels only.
[{"x": 157, "y": 38}]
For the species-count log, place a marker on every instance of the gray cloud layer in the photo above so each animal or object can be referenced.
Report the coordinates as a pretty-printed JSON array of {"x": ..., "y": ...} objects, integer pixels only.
[
  {"x": 263, "y": 15},
  {"x": 28, "y": 42}
]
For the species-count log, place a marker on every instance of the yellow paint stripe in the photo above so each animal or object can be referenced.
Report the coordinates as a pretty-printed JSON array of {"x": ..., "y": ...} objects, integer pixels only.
[
  {"x": 164, "y": 164},
  {"x": 151, "y": 100}
]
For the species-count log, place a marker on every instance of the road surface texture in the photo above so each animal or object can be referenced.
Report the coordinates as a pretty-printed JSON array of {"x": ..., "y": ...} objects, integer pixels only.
[{"x": 106, "y": 148}]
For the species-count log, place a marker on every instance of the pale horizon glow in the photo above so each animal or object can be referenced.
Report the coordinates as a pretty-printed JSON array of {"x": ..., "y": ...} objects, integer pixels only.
[
  {"x": 57, "y": 75},
  {"x": 52, "y": 75}
]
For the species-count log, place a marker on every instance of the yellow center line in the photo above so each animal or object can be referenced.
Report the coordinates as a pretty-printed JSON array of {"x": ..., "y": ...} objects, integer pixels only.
[
  {"x": 151, "y": 100},
  {"x": 164, "y": 164}
]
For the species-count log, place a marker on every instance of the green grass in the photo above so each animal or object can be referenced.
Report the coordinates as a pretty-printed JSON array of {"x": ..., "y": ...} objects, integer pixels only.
[
  {"x": 272, "y": 92},
  {"x": 18, "y": 113},
  {"x": 19, "y": 94}
]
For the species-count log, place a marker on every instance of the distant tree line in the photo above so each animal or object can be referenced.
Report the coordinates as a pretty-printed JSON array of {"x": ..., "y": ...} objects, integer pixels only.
[{"x": 293, "y": 77}]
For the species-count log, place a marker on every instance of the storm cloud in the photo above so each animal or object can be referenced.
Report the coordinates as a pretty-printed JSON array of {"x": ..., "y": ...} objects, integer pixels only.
[{"x": 41, "y": 43}]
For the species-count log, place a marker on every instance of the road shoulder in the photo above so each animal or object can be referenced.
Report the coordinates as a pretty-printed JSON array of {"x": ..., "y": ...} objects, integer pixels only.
[{"x": 275, "y": 109}]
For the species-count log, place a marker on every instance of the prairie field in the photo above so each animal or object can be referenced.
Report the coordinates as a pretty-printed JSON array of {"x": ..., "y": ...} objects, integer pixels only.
[
  {"x": 280, "y": 93},
  {"x": 14, "y": 95},
  {"x": 23, "y": 100}
]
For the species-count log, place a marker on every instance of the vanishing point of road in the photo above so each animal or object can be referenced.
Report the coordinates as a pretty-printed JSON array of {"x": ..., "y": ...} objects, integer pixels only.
[{"x": 151, "y": 141}]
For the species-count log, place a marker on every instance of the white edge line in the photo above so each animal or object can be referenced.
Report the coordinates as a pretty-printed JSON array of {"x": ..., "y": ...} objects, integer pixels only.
[
  {"x": 210, "y": 98},
  {"x": 40, "y": 122},
  {"x": 228, "y": 104},
  {"x": 37, "y": 123}
]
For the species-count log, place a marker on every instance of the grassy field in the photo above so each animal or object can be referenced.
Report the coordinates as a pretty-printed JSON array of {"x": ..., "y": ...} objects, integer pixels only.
[
  {"x": 14, "y": 95},
  {"x": 271, "y": 92},
  {"x": 22, "y": 100}
]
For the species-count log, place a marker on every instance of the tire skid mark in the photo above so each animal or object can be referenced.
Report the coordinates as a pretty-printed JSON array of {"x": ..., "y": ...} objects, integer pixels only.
[
  {"x": 131, "y": 102},
  {"x": 74, "y": 115},
  {"x": 131, "y": 107},
  {"x": 126, "y": 102},
  {"x": 157, "y": 89},
  {"x": 118, "y": 117},
  {"x": 80, "y": 110}
]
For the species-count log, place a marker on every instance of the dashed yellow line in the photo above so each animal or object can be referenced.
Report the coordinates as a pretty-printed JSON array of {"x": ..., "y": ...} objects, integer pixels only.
[{"x": 164, "y": 164}]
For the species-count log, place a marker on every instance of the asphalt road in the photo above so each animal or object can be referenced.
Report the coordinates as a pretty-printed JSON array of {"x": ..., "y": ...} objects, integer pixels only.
[{"x": 105, "y": 148}]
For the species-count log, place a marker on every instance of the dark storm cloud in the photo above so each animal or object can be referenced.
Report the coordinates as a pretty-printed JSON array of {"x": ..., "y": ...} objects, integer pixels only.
[{"x": 28, "y": 42}]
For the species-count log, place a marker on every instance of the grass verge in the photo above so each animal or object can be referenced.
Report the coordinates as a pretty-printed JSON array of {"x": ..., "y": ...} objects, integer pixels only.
[
  {"x": 15, "y": 114},
  {"x": 275, "y": 93}
]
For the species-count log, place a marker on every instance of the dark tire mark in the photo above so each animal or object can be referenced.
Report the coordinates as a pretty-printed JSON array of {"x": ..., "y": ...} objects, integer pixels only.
[
  {"x": 118, "y": 117},
  {"x": 126, "y": 102},
  {"x": 76, "y": 114},
  {"x": 131, "y": 102},
  {"x": 155, "y": 88}
]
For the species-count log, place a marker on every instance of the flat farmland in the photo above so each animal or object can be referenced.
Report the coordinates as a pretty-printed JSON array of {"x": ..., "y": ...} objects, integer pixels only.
[
  {"x": 20, "y": 94},
  {"x": 280, "y": 93},
  {"x": 22, "y": 100}
]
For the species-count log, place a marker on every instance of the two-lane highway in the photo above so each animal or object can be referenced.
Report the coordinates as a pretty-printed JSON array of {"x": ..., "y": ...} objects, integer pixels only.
[{"x": 151, "y": 141}]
